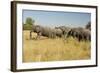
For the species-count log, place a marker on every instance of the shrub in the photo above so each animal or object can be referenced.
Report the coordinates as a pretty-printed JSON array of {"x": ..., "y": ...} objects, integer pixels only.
[{"x": 27, "y": 27}]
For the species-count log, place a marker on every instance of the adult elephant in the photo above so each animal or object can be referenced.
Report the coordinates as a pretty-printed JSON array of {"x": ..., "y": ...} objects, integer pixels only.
[
  {"x": 58, "y": 32},
  {"x": 64, "y": 29},
  {"x": 86, "y": 34},
  {"x": 80, "y": 33},
  {"x": 43, "y": 31}
]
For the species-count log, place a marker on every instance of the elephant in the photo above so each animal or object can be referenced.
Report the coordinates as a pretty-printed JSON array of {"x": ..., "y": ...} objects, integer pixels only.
[
  {"x": 64, "y": 29},
  {"x": 86, "y": 34},
  {"x": 80, "y": 33},
  {"x": 58, "y": 32},
  {"x": 43, "y": 31}
]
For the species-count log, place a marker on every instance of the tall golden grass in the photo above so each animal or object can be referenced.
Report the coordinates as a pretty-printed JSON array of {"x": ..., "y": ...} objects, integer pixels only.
[{"x": 59, "y": 49}]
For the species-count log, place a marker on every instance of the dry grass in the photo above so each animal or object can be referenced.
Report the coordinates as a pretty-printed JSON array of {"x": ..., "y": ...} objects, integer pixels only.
[{"x": 46, "y": 49}]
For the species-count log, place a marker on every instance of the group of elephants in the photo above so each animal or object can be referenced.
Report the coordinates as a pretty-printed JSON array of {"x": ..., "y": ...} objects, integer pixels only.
[{"x": 62, "y": 31}]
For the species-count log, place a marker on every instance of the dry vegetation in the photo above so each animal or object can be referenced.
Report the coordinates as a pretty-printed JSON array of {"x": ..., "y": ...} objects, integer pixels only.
[{"x": 46, "y": 49}]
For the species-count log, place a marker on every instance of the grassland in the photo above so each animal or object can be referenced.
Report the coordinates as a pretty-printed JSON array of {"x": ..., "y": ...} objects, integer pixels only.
[{"x": 46, "y": 49}]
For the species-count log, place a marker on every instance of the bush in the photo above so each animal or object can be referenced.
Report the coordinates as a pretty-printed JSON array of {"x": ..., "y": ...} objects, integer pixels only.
[{"x": 27, "y": 27}]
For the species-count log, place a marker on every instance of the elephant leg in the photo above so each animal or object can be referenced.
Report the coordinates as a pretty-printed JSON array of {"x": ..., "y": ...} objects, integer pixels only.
[
  {"x": 82, "y": 37},
  {"x": 76, "y": 36},
  {"x": 88, "y": 38},
  {"x": 38, "y": 35},
  {"x": 63, "y": 36},
  {"x": 79, "y": 38},
  {"x": 66, "y": 36},
  {"x": 31, "y": 34},
  {"x": 53, "y": 35}
]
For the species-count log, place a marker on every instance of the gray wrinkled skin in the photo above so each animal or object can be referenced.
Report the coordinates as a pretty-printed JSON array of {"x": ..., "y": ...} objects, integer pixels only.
[
  {"x": 80, "y": 33},
  {"x": 45, "y": 31}
]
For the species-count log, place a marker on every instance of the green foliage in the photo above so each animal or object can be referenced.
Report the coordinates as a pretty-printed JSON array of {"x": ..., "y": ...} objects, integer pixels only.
[
  {"x": 88, "y": 25},
  {"x": 29, "y": 21},
  {"x": 27, "y": 27}
]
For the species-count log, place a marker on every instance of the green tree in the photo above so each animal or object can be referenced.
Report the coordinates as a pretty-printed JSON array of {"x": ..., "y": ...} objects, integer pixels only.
[
  {"x": 29, "y": 21},
  {"x": 88, "y": 26}
]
